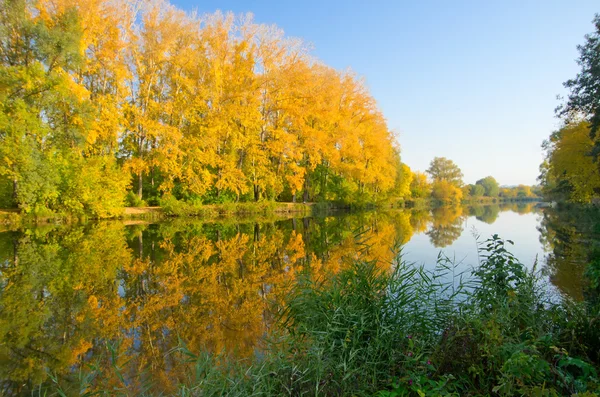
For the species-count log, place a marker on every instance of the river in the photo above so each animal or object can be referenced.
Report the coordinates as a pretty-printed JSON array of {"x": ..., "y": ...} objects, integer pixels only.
[{"x": 123, "y": 295}]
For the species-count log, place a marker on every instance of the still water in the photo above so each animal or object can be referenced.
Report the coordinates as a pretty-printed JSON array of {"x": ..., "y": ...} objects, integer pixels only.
[{"x": 125, "y": 294}]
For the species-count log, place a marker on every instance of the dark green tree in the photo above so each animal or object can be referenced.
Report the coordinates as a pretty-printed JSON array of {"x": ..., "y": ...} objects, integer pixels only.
[
  {"x": 584, "y": 90},
  {"x": 477, "y": 190},
  {"x": 490, "y": 186}
]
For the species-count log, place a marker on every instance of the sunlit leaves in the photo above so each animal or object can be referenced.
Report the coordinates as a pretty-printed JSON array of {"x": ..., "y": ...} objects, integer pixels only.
[
  {"x": 570, "y": 171},
  {"x": 210, "y": 109},
  {"x": 443, "y": 169}
]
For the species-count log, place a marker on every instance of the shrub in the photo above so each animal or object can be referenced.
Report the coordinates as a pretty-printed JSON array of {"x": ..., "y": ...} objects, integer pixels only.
[{"x": 133, "y": 200}]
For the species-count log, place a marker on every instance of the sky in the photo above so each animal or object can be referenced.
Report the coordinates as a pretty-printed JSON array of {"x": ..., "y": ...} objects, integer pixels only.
[{"x": 472, "y": 81}]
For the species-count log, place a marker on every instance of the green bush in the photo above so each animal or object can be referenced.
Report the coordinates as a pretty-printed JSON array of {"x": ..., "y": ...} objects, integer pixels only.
[{"x": 133, "y": 200}]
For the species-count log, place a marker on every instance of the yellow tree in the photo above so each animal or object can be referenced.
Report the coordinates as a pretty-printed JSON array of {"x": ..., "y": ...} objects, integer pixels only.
[
  {"x": 150, "y": 139},
  {"x": 445, "y": 191},
  {"x": 570, "y": 170}
]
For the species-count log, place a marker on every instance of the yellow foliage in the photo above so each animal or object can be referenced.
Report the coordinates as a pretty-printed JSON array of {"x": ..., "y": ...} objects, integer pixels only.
[
  {"x": 569, "y": 161},
  {"x": 445, "y": 191}
]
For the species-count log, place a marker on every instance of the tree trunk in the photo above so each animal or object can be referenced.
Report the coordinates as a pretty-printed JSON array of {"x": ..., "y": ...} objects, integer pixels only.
[
  {"x": 305, "y": 193},
  {"x": 306, "y": 235},
  {"x": 141, "y": 245},
  {"x": 140, "y": 184},
  {"x": 15, "y": 191},
  {"x": 294, "y": 198},
  {"x": 256, "y": 232},
  {"x": 16, "y": 252},
  {"x": 256, "y": 193}
]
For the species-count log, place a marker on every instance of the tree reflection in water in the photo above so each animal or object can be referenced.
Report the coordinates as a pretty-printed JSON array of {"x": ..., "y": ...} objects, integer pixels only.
[{"x": 68, "y": 292}]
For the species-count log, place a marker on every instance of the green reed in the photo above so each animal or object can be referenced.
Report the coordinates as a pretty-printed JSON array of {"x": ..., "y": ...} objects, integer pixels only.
[{"x": 409, "y": 331}]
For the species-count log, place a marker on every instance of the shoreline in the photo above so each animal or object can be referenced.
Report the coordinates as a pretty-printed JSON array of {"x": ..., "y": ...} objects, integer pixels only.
[{"x": 13, "y": 218}]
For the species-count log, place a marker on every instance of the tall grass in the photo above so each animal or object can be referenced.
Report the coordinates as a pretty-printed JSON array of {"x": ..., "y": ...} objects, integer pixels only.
[{"x": 411, "y": 332}]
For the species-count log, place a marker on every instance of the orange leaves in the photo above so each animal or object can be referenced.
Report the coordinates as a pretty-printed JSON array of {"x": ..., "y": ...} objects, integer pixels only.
[
  {"x": 212, "y": 108},
  {"x": 250, "y": 110}
]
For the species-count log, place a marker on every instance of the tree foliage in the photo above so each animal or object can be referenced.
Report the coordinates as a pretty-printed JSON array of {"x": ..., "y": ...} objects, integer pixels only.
[
  {"x": 420, "y": 186},
  {"x": 490, "y": 186},
  {"x": 584, "y": 90},
  {"x": 569, "y": 171},
  {"x": 444, "y": 191},
  {"x": 443, "y": 169},
  {"x": 106, "y": 96},
  {"x": 477, "y": 190}
]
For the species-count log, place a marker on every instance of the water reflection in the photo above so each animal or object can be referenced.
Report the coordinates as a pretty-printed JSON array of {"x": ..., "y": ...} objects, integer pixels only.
[
  {"x": 446, "y": 226},
  {"x": 571, "y": 236},
  {"x": 65, "y": 292}
]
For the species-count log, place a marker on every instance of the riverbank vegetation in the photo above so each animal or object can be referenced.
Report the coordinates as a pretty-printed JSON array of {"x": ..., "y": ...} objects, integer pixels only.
[{"x": 402, "y": 330}]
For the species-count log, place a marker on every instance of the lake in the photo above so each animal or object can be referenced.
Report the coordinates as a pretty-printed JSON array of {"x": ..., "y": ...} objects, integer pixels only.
[{"x": 122, "y": 295}]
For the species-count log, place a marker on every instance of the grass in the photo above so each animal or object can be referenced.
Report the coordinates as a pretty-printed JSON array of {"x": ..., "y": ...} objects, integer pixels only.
[
  {"x": 173, "y": 207},
  {"x": 408, "y": 331}
]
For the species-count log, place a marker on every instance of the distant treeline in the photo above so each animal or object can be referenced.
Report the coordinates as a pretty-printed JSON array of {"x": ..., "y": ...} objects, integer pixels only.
[{"x": 445, "y": 185}]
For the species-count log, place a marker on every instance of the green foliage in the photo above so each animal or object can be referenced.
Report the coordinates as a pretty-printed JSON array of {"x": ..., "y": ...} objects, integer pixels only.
[
  {"x": 420, "y": 187},
  {"x": 490, "y": 186},
  {"x": 95, "y": 186},
  {"x": 42, "y": 157},
  {"x": 133, "y": 200},
  {"x": 569, "y": 173},
  {"x": 584, "y": 89},
  {"x": 443, "y": 169},
  {"x": 499, "y": 275},
  {"x": 477, "y": 190}
]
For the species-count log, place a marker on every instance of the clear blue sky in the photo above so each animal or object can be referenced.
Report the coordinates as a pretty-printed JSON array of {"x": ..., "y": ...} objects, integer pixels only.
[{"x": 474, "y": 81}]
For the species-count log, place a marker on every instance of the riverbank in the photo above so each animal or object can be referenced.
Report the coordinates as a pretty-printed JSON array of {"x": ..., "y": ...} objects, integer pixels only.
[
  {"x": 174, "y": 208},
  {"x": 12, "y": 217}
]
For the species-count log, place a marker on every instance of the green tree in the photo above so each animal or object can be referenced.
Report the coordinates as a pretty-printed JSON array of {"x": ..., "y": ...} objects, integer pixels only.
[
  {"x": 490, "y": 186},
  {"x": 477, "y": 190},
  {"x": 584, "y": 90},
  {"x": 41, "y": 112},
  {"x": 443, "y": 169},
  {"x": 420, "y": 186}
]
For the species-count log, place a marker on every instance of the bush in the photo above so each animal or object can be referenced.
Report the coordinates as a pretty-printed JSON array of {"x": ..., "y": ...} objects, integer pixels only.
[{"x": 133, "y": 200}]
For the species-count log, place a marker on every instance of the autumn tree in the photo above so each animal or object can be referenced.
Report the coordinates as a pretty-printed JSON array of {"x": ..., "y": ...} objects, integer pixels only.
[
  {"x": 443, "y": 169},
  {"x": 420, "y": 186},
  {"x": 569, "y": 172},
  {"x": 446, "y": 192},
  {"x": 99, "y": 97}
]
